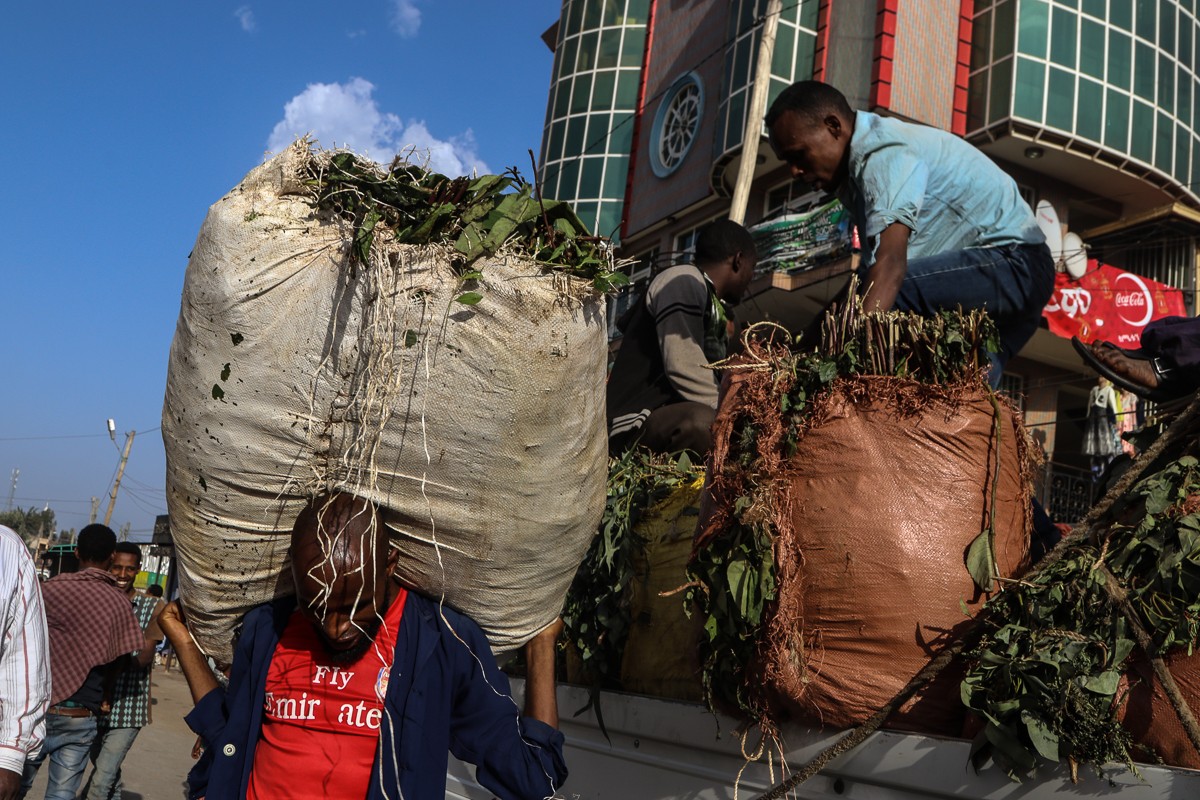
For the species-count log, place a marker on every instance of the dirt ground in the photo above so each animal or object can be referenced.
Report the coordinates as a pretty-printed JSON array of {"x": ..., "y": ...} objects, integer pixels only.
[{"x": 161, "y": 756}]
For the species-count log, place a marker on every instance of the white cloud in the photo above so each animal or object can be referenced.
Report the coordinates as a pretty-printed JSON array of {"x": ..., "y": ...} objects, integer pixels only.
[
  {"x": 406, "y": 18},
  {"x": 346, "y": 115},
  {"x": 245, "y": 16}
]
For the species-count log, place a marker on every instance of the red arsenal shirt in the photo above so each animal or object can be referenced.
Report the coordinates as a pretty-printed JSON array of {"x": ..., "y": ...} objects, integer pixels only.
[{"x": 321, "y": 720}]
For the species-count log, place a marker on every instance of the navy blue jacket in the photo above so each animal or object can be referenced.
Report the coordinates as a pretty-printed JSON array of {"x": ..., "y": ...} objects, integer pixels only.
[{"x": 445, "y": 695}]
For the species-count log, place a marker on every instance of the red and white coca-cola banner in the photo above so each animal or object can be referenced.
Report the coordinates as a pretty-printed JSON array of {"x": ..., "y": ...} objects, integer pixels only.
[{"x": 1109, "y": 304}]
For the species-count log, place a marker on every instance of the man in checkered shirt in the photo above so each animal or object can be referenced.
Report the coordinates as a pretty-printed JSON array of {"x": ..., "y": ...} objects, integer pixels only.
[
  {"x": 131, "y": 694},
  {"x": 92, "y": 632}
]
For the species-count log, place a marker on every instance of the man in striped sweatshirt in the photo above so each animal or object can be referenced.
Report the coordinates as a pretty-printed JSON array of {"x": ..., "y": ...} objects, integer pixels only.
[{"x": 661, "y": 393}]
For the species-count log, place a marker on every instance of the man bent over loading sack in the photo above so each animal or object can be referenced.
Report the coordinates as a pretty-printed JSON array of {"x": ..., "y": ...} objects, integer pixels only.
[{"x": 941, "y": 225}]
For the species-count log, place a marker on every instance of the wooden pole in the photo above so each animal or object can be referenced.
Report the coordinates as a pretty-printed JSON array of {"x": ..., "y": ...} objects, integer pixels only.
[
  {"x": 112, "y": 499},
  {"x": 754, "y": 115}
]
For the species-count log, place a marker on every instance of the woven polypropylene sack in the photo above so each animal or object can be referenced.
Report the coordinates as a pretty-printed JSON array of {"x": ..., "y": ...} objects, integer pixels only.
[
  {"x": 478, "y": 429},
  {"x": 660, "y": 652},
  {"x": 889, "y": 483},
  {"x": 1148, "y": 714},
  {"x": 886, "y": 494}
]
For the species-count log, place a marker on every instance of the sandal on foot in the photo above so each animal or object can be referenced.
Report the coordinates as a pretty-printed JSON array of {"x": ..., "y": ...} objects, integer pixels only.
[{"x": 1161, "y": 393}]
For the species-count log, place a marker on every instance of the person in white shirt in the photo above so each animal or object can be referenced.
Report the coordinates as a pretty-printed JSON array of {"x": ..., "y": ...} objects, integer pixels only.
[{"x": 24, "y": 663}]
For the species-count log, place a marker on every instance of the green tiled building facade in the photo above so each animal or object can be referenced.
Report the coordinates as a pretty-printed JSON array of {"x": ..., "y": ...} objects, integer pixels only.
[
  {"x": 792, "y": 60},
  {"x": 1116, "y": 76},
  {"x": 588, "y": 134}
]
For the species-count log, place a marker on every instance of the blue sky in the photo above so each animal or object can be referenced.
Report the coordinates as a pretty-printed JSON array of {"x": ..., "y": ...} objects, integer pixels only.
[{"x": 122, "y": 123}]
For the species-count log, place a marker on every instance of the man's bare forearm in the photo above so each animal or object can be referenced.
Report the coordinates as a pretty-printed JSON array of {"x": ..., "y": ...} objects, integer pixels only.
[
  {"x": 195, "y": 669},
  {"x": 10, "y": 785},
  {"x": 145, "y": 656},
  {"x": 883, "y": 285},
  {"x": 888, "y": 271},
  {"x": 193, "y": 663},
  {"x": 541, "y": 701}
]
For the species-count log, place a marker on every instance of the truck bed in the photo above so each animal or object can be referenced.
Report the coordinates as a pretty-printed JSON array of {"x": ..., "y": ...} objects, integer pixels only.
[{"x": 666, "y": 749}]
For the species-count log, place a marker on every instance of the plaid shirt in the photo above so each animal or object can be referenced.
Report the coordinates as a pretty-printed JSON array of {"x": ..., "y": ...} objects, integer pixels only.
[
  {"x": 90, "y": 623},
  {"x": 131, "y": 692}
]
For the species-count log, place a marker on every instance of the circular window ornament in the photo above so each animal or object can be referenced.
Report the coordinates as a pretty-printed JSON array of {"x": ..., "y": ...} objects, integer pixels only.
[{"x": 676, "y": 124}]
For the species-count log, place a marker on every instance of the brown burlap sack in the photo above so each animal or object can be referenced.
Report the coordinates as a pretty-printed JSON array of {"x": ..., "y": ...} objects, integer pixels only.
[
  {"x": 1149, "y": 716},
  {"x": 887, "y": 490},
  {"x": 874, "y": 512}
]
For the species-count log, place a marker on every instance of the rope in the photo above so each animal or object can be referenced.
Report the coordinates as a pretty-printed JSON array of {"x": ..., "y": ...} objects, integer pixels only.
[{"x": 1080, "y": 533}]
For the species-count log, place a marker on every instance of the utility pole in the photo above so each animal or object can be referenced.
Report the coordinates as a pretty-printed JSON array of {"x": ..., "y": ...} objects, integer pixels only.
[
  {"x": 112, "y": 499},
  {"x": 95, "y": 510},
  {"x": 12, "y": 493},
  {"x": 754, "y": 114}
]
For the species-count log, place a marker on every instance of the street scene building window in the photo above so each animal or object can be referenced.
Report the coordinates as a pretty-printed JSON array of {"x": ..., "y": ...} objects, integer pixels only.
[
  {"x": 790, "y": 197},
  {"x": 792, "y": 60},
  {"x": 627, "y": 296},
  {"x": 685, "y": 246},
  {"x": 1028, "y": 194},
  {"x": 676, "y": 124},
  {"x": 588, "y": 132},
  {"x": 1013, "y": 387}
]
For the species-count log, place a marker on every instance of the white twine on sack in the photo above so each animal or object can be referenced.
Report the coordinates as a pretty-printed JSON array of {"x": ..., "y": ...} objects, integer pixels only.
[
  {"x": 441, "y": 565},
  {"x": 382, "y": 398}
]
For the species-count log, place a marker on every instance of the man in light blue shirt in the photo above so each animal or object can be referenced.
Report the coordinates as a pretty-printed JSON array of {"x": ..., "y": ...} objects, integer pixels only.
[{"x": 941, "y": 225}]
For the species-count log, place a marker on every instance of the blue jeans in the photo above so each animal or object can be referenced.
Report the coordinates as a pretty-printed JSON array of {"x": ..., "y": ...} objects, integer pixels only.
[
  {"x": 108, "y": 751},
  {"x": 1012, "y": 283},
  {"x": 66, "y": 746}
]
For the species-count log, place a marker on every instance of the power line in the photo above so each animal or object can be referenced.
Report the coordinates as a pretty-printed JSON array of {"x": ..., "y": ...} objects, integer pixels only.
[
  {"x": 145, "y": 487},
  {"x": 50, "y": 500},
  {"x": 138, "y": 494},
  {"x": 45, "y": 438},
  {"x": 144, "y": 504},
  {"x": 65, "y": 436}
]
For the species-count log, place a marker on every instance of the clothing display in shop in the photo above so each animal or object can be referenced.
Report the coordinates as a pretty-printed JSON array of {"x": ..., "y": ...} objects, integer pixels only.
[
  {"x": 1101, "y": 438},
  {"x": 1127, "y": 419}
]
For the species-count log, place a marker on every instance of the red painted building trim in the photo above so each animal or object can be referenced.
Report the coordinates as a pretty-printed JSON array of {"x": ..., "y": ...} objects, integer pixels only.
[
  {"x": 962, "y": 73},
  {"x": 821, "y": 54},
  {"x": 884, "y": 54},
  {"x": 638, "y": 113}
]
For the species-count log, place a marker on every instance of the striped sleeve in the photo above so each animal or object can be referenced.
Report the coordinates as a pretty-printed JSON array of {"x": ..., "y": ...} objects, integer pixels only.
[
  {"x": 678, "y": 299},
  {"x": 24, "y": 657}
]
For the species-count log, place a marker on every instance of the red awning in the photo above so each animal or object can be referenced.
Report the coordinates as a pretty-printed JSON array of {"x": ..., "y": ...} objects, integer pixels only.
[{"x": 1109, "y": 304}]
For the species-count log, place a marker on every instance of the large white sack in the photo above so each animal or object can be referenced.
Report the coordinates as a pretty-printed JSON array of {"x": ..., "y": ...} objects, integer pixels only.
[{"x": 478, "y": 429}]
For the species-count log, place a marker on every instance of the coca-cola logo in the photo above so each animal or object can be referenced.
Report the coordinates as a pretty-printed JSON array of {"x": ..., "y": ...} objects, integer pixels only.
[{"x": 1134, "y": 305}]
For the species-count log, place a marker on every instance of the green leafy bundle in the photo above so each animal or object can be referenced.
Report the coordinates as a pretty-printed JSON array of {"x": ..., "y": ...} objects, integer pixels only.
[
  {"x": 596, "y": 614},
  {"x": 733, "y": 568},
  {"x": 477, "y": 216},
  {"x": 1045, "y": 677},
  {"x": 734, "y": 585}
]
